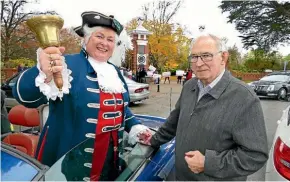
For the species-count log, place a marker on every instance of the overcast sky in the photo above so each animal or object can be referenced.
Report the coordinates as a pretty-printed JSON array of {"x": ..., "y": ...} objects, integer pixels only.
[{"x": 192, "y": 14}]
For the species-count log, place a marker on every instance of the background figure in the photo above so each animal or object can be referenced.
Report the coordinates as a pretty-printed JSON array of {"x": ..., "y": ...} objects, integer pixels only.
[
  {"x": 138, "y": 75},
  {"x": 5, "y": 124},
  {"x": 179, "y": 79},
  {"x": 167, "y": 78},
  {"x": 143, "y": 75},
  {"x": 188, "y": 74},
  {"x": 20, "y": 67}
]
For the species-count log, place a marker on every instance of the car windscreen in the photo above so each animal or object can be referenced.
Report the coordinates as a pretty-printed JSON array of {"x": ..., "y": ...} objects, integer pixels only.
[
  {"x": 280, "y": 78},
  {"x": 17, "y": 166},
  {"x": 71, "y": 166}
]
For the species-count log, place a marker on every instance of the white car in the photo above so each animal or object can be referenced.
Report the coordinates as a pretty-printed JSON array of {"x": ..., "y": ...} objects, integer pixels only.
[{"x": 278, "y": 165}]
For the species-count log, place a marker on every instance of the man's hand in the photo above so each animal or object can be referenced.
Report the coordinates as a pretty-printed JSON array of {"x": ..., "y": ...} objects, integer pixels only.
[
  {"x": 145, "y": 137},
  {"x": 195, "y": 161}
]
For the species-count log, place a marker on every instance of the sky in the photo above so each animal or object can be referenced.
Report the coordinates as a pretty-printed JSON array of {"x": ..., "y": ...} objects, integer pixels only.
[{"x": 192, "y": 14}]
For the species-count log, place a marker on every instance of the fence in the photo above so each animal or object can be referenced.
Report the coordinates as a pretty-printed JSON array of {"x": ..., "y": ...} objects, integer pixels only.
[{"x": 248, "y": 76}]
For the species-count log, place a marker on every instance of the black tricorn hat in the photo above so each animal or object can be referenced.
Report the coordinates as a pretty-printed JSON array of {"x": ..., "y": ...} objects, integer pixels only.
[{"x": 92, "y": 19}]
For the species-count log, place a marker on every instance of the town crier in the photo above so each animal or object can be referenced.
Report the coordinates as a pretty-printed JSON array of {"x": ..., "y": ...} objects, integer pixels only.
[{"x": 93, "y": 103}]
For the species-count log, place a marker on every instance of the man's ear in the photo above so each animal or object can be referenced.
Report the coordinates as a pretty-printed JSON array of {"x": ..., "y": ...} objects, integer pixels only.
[{"x": 225, "y": 57}]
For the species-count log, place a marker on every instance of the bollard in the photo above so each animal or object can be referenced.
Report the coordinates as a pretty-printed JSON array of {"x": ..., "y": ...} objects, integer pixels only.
[{"x": 158, "y": 84}]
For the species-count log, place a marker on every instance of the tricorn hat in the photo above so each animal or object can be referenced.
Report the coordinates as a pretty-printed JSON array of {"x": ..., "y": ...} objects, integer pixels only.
[{"x": 92, "y": 19}]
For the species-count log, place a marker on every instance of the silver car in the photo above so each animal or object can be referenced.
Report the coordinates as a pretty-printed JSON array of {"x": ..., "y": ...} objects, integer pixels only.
[{"x": 137, "y": 91}]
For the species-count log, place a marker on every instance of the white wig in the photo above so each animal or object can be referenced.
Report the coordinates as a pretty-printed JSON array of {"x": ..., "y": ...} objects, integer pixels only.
[{"x": 122, "y": 43}]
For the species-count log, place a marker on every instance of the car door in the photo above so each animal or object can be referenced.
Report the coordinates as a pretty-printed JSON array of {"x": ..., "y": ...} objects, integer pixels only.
[
  {"x": 17, "y": 166},
  {"x": 159, "y": 165}
]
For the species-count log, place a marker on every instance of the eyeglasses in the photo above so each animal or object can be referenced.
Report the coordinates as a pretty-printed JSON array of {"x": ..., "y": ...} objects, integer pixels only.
[{"x": 206, "y": 57}]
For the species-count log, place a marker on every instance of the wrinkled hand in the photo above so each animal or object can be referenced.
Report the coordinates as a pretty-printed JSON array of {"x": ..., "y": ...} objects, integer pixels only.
[
  {"x": 145, "y": 137},
  {"x": 50, "y": 61},
  {"x": 195, "y": 161}
]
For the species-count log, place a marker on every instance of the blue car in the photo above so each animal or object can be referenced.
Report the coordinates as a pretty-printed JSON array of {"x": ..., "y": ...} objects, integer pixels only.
[{"x": 144, "y": 163}]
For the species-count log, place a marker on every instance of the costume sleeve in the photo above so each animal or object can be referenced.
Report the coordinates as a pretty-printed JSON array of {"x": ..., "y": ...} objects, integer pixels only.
[
  {"x": 251, "y": 152},
  {"x": 25, "y": 91},
  {"x": 130, "y": 119},
  {"x": 168, "y": 130}
]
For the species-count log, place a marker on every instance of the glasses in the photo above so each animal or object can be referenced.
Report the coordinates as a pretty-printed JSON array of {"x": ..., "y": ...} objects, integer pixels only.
[{"x": 206, "y": 57}]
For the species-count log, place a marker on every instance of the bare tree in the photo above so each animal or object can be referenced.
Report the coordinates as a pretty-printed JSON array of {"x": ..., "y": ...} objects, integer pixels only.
[
  {"x": 158, "y": 16},
  {"x": 12, "y": 19}
]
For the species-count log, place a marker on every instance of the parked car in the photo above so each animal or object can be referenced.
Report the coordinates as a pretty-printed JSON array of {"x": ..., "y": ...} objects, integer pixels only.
[
  {"x": 144, "y": 163},
  {"x": 274, "y": 85},
  {"x": 137, "y": 91},
  {"x": 278, "y": 165},
  {"x": 7, "y": 87}
]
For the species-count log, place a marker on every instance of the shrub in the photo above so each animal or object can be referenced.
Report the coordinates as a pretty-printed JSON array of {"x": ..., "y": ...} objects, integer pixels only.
[{"x": 16, "y": 62}]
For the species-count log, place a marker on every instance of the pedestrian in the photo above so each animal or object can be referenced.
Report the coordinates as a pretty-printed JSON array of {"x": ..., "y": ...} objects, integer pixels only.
[
  {"x": 218, "y": 122},
  {"x": 166, "y": 76},
  {"x": 179, "y": 79},
  {"x": 20, "y": 67},
  {"x": 5, "y": 123},
  {"x": 138, "y": 75},
  {"x": 92, "y": 105},
  {"x": 143, "y": 75}
]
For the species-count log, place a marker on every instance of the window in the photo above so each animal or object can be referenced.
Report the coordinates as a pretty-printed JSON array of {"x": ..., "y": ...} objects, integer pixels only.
[{"x": 141, "y": 49}]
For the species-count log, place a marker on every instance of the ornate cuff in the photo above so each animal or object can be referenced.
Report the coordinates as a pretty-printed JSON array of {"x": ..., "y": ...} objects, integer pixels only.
[{"x": 49, "y": 89}]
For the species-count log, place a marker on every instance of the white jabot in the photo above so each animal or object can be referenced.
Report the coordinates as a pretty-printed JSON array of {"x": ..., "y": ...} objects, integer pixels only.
[{"x": 108, "y": 78}]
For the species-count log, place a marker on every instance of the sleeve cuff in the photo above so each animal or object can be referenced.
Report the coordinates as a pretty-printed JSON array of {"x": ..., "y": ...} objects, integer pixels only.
[
  {"x": 49, "y": 89},
  {"x": 209, "y": 164}
]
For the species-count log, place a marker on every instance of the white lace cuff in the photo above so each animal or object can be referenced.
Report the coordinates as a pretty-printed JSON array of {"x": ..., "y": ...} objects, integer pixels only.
[
  {"x": 50, "y": 90},
  {"x": 135, "y": 130}
]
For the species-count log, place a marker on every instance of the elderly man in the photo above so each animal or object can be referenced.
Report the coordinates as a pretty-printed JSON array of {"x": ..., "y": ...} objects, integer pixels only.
[{"x": 218, "y": 121}]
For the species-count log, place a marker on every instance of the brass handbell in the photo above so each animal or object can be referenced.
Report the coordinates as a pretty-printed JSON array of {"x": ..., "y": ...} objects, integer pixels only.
[{"x": 47, "y": 29}]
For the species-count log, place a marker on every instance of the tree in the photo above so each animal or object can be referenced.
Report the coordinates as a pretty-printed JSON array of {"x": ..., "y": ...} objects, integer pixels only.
[
  {"x": 167, "y": 44},
  {"x": 234, "y": 58},
  {"x": 12, "y": 21},
  {"x": 264, "y": 24},
  {"x": 259, "y": 60},
  {"x": 70, "y": 41}
]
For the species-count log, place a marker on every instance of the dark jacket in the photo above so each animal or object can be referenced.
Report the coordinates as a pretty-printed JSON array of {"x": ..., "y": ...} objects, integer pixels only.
[{"x": 226, "y": 125}]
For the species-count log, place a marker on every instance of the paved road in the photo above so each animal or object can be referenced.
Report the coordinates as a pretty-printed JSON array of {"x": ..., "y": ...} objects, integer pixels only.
[{"x": 159, "y": 105}]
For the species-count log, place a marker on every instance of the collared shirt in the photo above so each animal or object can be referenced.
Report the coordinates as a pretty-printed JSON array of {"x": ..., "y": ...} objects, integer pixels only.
[{"x": 204, "y": 90}]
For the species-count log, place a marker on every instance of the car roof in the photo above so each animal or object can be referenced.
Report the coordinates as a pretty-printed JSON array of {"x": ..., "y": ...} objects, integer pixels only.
[{"x": 280, "y": 73}]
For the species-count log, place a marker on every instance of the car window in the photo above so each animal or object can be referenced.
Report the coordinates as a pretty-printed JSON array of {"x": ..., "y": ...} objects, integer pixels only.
[
  {"x": 13, "y": 81},
  {"x": 70, "y": 167},
  {"x": 282, "y": 78}
]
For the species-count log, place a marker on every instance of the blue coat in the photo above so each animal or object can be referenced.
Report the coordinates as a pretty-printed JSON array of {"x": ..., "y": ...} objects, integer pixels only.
[{"x": 67, "y": 121}]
